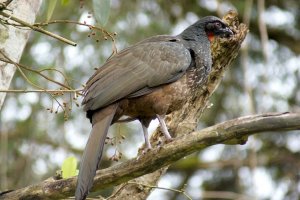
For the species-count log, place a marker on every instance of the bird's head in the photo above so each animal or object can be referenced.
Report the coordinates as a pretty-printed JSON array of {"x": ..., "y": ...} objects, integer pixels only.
[
  {"x": 209, "y": 26},
  {"x": 214, "y": 26}
]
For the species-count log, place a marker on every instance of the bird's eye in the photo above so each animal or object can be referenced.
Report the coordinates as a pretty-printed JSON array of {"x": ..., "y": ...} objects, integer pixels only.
[{"x": 218, "y": 25}]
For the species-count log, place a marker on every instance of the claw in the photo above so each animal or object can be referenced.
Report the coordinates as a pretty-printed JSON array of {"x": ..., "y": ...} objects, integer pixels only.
[{"x": 146, "y": 150}]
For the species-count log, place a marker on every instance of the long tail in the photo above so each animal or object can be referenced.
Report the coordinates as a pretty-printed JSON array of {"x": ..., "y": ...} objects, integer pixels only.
[{"x": 90, "y": 161}]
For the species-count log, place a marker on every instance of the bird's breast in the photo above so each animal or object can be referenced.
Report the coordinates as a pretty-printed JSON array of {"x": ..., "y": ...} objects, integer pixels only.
[{"x": 163, "y": 100}]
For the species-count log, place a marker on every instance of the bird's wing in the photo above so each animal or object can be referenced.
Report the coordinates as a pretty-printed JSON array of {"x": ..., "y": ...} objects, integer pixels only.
[{"x": 148, "y": 64}]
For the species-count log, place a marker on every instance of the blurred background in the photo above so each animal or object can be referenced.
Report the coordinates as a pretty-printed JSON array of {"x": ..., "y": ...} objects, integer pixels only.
[{"x": 265, "y": 77}]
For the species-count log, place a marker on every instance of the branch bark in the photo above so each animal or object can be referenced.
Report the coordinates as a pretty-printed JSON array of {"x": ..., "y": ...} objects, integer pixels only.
[{"x": 231, "y": 131}]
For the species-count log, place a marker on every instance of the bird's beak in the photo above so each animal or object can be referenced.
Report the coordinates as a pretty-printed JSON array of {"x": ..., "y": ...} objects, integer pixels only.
[{"x": 225, "y": 32}]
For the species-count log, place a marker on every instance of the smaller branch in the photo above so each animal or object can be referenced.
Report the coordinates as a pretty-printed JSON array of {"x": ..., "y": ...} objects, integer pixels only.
[
  {"x": 38, "y": 29},
  {"x": 110, "y": 35},
  {"x": 34, "y": 85},
  {"x": 52, "y": 93},
  {"x": 26, "y": 78},
  {"x": 44, "y": 76},
  {"x": 224, "y": 195},
  {"x": 263, "y": 29},
  {"x": 18, "y": 65},
  {"x": 5, "y": 4},
  {"x": 163, "y": 188},
  {"x": 116, "y": 192},
  {"x": 77, "y": 23},
  {"x": 58, "y": 71}
]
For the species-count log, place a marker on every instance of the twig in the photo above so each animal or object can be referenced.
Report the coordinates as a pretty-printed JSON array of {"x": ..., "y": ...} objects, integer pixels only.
[
  {"x": 110, "y": 35},
  {"x": 164, "y": 188},
  {"x": 151, "y": 187},
  {"x": 116, "y": 192},
  {"x": 38, "y": 29},
  {"x": 34, "y": 85},
  {"x": 224, "y": 195},
  {"x": 56, "y": 70},
  {"x": 77, "y": 23},
  {"x": 41, "y": 91},
  {"x": 5, "y": 4},
  {"x": 52, "y": 93},
  {"x": 18, "y": 65},
  {"x": 26, "y": 78},
  {"x": 263, "y": 29}
]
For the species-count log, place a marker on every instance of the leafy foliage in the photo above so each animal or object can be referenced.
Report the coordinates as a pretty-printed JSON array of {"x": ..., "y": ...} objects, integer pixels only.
[
  {"x": 101, "y": 11},
  {"x": 51, "y": 8}
]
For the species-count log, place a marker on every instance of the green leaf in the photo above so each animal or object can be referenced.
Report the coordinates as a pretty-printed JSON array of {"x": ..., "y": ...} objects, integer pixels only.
[
  {"x": 69, "y": 166},
  {"x": 101, "y": 11},
  {"x": 50, "y": 10},
  {"x": 65, "y": 2}
]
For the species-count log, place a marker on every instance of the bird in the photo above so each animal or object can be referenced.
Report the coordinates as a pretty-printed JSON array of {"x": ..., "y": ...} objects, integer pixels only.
[{"x": 145, "y": 81}]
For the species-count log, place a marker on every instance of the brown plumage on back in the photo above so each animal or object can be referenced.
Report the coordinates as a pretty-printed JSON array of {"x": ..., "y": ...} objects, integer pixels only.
[{"x": 145, "y": 81}]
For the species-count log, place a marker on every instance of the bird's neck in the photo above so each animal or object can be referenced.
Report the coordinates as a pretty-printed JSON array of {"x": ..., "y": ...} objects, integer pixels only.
[
  {"x": 201, "y": 66},
  {"x": 194, "y": 34},
  {"x": 196, "y": 40},
  {"x": 199, "y": 46}
]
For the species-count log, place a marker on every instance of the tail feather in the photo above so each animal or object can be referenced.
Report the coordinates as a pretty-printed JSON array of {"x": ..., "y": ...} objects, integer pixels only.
[{"x": 93, "y": 151}]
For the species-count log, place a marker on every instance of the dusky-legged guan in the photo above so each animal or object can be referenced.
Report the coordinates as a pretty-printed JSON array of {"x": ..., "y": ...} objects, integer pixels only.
[{"x": 145, "y": 81}]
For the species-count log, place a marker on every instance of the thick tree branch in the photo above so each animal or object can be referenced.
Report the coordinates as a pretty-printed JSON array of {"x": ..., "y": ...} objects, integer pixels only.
[{"x": 157, "y": 158}]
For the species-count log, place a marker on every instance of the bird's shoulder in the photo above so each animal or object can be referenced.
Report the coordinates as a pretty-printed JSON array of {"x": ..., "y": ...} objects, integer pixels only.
[
  {"x": 167, "y": 48},
  {"x": 161, "y": 38}
]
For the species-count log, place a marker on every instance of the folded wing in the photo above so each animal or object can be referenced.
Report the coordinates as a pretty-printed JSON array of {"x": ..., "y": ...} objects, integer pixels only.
[{"x": 138, "y": 69}]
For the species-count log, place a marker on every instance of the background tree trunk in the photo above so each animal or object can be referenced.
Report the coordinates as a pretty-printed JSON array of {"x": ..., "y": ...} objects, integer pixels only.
[
  {"x": 12, "y": 43},
  {"x": 13, "y": 40}
]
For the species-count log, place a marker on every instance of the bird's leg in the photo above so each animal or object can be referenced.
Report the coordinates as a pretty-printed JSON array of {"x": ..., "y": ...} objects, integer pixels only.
[
  {"x": 163, "y": 127},
  {"x": 146, "y": 136}
]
